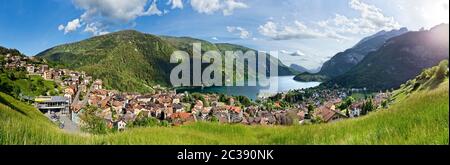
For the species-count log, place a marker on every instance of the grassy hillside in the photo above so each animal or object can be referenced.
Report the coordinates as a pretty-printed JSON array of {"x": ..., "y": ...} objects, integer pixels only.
[
  {"x": 23, "y": 124},
  {"x": 421, "y": 117},
  {"x": 17, "y": 82}
]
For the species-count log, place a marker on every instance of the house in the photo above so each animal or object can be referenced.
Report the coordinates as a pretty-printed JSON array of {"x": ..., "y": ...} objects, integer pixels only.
[
  {"x": 44, "y": 68},
  {"x": 129, "y": 116},
  {"x": 30, "y": 68},
  {"x": 231, "y": 100},
  {"x": 47, "y": 75},
  {"x": 71, "y": 90},
  {"x": 205, "y": 113},
  {"x": 329, "y": 113},
  {"x": 98, "y": 84},
  {"x": 217, "y": 104},
  {"x": 181, "y": 118},
  {"x": 197, "y": 107},
  {"x": 355, "y": 110},
  {"x": 168, "y": 110},
  {"x": 301, "y": 115},
  {"x": 121, "y": 125},
  {"x": 94, "y": 100},
  {"x": 176, "y": 101},
  {"x": 100, "y": 92},
  {"x": 178, "y": 107},
  {"x": 144, "y": 99},
  {"x": 265, "y": 118},
  {"x": 235, "y": 114}
]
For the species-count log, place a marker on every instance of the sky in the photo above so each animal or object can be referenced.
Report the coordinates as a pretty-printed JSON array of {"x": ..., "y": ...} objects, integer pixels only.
[{"x": 304, "y": 32}]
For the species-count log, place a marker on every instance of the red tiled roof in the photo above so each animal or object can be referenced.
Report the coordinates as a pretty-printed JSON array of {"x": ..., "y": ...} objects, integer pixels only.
[
  {"x": 181, "y": 115},
  {"x": 234, "y": 109}
]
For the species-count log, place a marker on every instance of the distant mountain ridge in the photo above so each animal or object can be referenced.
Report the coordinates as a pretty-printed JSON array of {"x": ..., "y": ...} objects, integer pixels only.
[
  {"x": 398, "y": 60},
  {"x": 130, "y": 60},
  {"x": 299, "y": 68},
  {"x": 14, "y": 52},
  {"x": 344, "y": 61}
]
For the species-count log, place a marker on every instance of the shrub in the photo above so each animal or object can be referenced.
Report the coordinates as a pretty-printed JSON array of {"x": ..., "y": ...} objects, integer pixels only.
[
  {"x": 164, "y": 123},
  {"x": 93, "y": 123},
  {"x": 145, "y": 122}
]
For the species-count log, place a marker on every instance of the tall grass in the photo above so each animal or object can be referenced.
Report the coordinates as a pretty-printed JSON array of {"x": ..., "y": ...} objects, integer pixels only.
[{"x": 420, "y": 118}]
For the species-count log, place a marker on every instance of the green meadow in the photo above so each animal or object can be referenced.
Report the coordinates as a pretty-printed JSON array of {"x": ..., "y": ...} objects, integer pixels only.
[{"x": 421, "y": 117}]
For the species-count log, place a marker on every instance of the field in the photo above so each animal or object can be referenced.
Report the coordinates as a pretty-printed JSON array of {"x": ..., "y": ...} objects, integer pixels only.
[
  {"x": 32, "y": 85},
  {"x": 419, "y": 118}
]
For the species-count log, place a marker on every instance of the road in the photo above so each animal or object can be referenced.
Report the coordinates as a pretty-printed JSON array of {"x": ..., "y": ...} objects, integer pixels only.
[{"x": 69, "y": 125}]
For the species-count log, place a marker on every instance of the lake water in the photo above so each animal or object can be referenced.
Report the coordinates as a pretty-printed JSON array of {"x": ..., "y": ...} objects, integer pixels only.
[{"x": 278, "y": 84}]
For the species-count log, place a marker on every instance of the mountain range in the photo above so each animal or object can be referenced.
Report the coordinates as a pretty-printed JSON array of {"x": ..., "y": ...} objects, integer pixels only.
[
  {"x": 130, "y": 60},
  {"x": 397, "y": 60},
  {"x": 13, "y": 52},
  {"x": 344, "y": 61}
]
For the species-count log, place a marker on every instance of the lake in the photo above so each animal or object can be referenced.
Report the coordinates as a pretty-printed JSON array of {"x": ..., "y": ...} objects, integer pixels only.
[{"x": 285, "y": 83}]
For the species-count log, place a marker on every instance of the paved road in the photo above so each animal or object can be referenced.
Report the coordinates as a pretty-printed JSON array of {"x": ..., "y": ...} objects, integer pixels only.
[
  {"x": 76, "y": 99},
  {"x": 69, "y": 125},
  {"x": 86, "y": 98}
]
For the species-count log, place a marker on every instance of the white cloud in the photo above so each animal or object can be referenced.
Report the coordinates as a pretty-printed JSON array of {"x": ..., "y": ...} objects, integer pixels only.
[
  {"x": 205, "y": 6},
  {"x": 112, "y": 10},
  {"x": 297, "y": 30},
  {"x": 295, "y": 53},
  {"x": 242, "y": 32},
  {"x": 211, "y": 6},
  {"x": 175, "y": 4},
  {"x": 99, "y": 15},
  {"x": 285, "y": 52},
  {"x": 61, "y": 27},
  {"x": 215, "y": 38},
  {"x": 71, "y": 26},
  {"x": 153, "y": 9},
  {"x": 371, "y": 19},
  {"x": 95, "y": 29},
  {"x": 420, "y": 13},
  {"x": 165, "y": 11},
  {"x": 231, "y": 5}
]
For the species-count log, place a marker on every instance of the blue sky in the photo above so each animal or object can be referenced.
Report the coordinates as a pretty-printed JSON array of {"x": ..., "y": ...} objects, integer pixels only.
[{"x": 305, "y": 32}]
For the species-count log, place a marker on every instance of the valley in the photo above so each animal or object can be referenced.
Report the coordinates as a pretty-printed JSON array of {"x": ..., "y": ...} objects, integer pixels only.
[{"x": 116, "y": 88}]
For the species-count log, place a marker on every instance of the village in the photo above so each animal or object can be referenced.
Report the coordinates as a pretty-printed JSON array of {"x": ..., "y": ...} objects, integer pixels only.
[{"x": 118, "y": 109}]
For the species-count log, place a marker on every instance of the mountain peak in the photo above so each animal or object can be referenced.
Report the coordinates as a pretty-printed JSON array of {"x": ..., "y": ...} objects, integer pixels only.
[
  {"x": 344, "y": 61},
  {"x": 127, "y": 31},
  {"x": 393, "y": 32},
  {"x": 440, "y": 28}
]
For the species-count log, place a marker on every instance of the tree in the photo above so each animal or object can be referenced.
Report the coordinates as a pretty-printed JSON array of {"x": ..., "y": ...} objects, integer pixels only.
[
  {"x": 384, "y": 104},
  {"x": 310, "y": 108},
  {"x": 142, "y": 121},
  {"x": 441, "y": 71},
  {"x": 91, "y": 122},
  {"x": 367, "y": 106},
  {"x": 347, "y": 102},
  {"x": 244, "y": 100}
]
